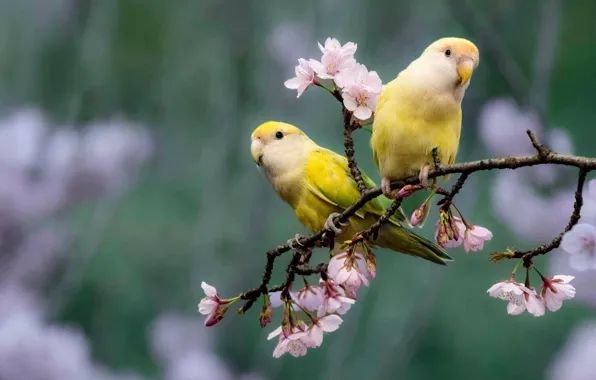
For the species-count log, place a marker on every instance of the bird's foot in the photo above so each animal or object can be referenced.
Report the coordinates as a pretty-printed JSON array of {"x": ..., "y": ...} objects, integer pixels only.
[
  {"x": 423, "y": 177},
  {"x": 295, "y": 244},
  {"x": 386, "y": 187},
  {"x": 331, "y": 226}
]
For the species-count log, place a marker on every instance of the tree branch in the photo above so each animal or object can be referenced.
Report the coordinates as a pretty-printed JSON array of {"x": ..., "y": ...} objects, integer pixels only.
[
  {"x": 544, "y": 156},
  {"x": 374, "y": 229},
  {"x": 445, "y": 203},
  {"x": 528, "y": 256},
  {"x": 349, "y": 147}
]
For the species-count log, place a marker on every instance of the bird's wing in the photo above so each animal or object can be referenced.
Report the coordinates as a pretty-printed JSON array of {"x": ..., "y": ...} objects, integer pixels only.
[{"x": 329, "y": 178}]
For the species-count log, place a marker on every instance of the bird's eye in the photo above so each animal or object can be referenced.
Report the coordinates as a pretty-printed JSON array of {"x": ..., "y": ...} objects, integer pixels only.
[
  {"x": 279, "y": 135},
  {"x": 448, "y": 53}
]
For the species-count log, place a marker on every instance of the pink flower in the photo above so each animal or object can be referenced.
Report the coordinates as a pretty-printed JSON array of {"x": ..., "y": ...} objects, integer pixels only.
[
  {"x": 592, "y": 189},
  {"x": 305, "y": 76},
  {"x": 509, "y": 291},
  {"x": 276, "y": 301},
  {"x": 580, "y": 243},
  {"x": 519, "y": 297},
  {"x": 331, "y": 44},
  {"x": 212, "y": 306},
  {"x": 474, "y": 238},
  {"x": 335, "y": 300},
  {"x": 332, "y": 64},
  {"x": 533, "y": 302},
  {"x": 310, "y": 297},
  {"x": 296, "y": 344},
  {"x": 557, "y": 289},
  {"x": 361, "y": 90},
  {"x": 328, "y": 323},
  {"x": 348, "y": 269}
]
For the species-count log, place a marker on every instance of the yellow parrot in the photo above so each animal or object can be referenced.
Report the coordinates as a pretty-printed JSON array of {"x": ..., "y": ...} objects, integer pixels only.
[
  {"x": 421, "y": 110},
  {"x": 317, "y": 184}
]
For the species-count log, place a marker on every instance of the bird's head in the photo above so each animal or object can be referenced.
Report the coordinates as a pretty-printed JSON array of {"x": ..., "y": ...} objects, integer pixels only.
[
  {"x": 455, "y": 59},
  {"x": 277, "y": 145}
]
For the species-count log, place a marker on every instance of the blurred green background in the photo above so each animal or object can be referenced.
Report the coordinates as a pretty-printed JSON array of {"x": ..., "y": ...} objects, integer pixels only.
[{"x": 200, "y": 75}]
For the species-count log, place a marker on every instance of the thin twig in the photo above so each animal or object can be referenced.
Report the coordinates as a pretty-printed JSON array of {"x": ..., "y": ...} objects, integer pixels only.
[
  {"x": 528, "y": 256},
  {"x": 305, "y": 270},
  {"x": 350, "y": 153},
  {"x": 586, "y": 164},
  {"x": 445, "y": 203},
  {"x": 373, "y": 230},
  {"x": 542, "y": 150}
]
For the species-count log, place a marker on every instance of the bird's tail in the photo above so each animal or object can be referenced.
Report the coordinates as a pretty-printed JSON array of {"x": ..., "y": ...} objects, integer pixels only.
[{"x": 401, "y": 239}]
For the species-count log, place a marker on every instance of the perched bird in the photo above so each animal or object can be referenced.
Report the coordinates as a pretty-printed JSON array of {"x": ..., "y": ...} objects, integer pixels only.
[
  {"x": 316, "y": 183},
  {"x": 421, "y": 110}
]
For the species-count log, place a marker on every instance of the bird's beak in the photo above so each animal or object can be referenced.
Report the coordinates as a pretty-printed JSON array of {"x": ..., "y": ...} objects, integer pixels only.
[
  {"x": 256, "y": 149},
  {"x": 464, "y": 70}
]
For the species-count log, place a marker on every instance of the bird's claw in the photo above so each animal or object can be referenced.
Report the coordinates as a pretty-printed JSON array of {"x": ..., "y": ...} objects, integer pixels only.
[
  {"x": 332, "y": 227},
  {"x": 423, "y": 177},
  {"x": 295, "y": 244},
  {"x": 386, "y": 187}
]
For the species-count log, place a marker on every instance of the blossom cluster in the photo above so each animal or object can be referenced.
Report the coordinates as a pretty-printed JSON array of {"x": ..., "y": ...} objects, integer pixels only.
[
  {"x": 359, "y": 88},
  {"x": 580, "y": 244},
  {"x": 312, "y": 310},
  {"x": 523, "y": 297}
]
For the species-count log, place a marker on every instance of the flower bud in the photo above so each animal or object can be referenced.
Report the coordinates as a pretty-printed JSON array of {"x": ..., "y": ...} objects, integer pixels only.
[{"x": 266, "y": 315}]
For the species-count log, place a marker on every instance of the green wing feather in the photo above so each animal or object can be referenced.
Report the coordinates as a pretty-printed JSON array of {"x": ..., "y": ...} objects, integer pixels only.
[{"x": 330, "y": 179}]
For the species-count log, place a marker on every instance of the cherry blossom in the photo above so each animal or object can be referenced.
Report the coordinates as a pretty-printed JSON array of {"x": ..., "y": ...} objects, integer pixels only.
[
  {"x": 361, "y": 90},
  {"x": 332, "y": 64},
  {"x": 533, "y": 302},
  {"x": 451, "y": 232},
  {"x": 474, "y": 238},
  {"x": 310, "y": 297},
  {"x": 276, "y": 301},
  {"x": 580, "y": 243},
  {"x": 557, "y": 289},
  {"x": 332, "y": 44},
  {"x": 328, "y": 323},
  {"x": 348, "y": 269},
  {"x": 519, "y": 297},
  {"x": 336, "y": 300},
  {"x": 212, "y": 306},
  {"x": 305, "y": 76},
  {"x": 591, "y": 194},
  {"x": 296, "y": 344}
]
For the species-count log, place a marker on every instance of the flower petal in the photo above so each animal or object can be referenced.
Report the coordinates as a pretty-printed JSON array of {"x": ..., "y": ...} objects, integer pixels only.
[
  {"x": 209, "y": 290},
  {"x": 516, "y": 308},
  {"x": 281, "y": 348},
  {"x": 575, "y": 240},
  {"x": 293, "y": 83},
  {"x": 362, "y": 112},
  {"x": 330, "y": 323},
  {"x": 274, "y": 333}
]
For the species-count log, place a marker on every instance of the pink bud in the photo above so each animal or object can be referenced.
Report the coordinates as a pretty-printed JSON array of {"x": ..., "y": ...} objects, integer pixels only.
[
  {"x": 266, "y": 315},
  {"x": 417, "y": 216},
  {"x": 213, "y": 319},
  {"x": 442, "y": 237},
  {"x": 408, "y": 190}
]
